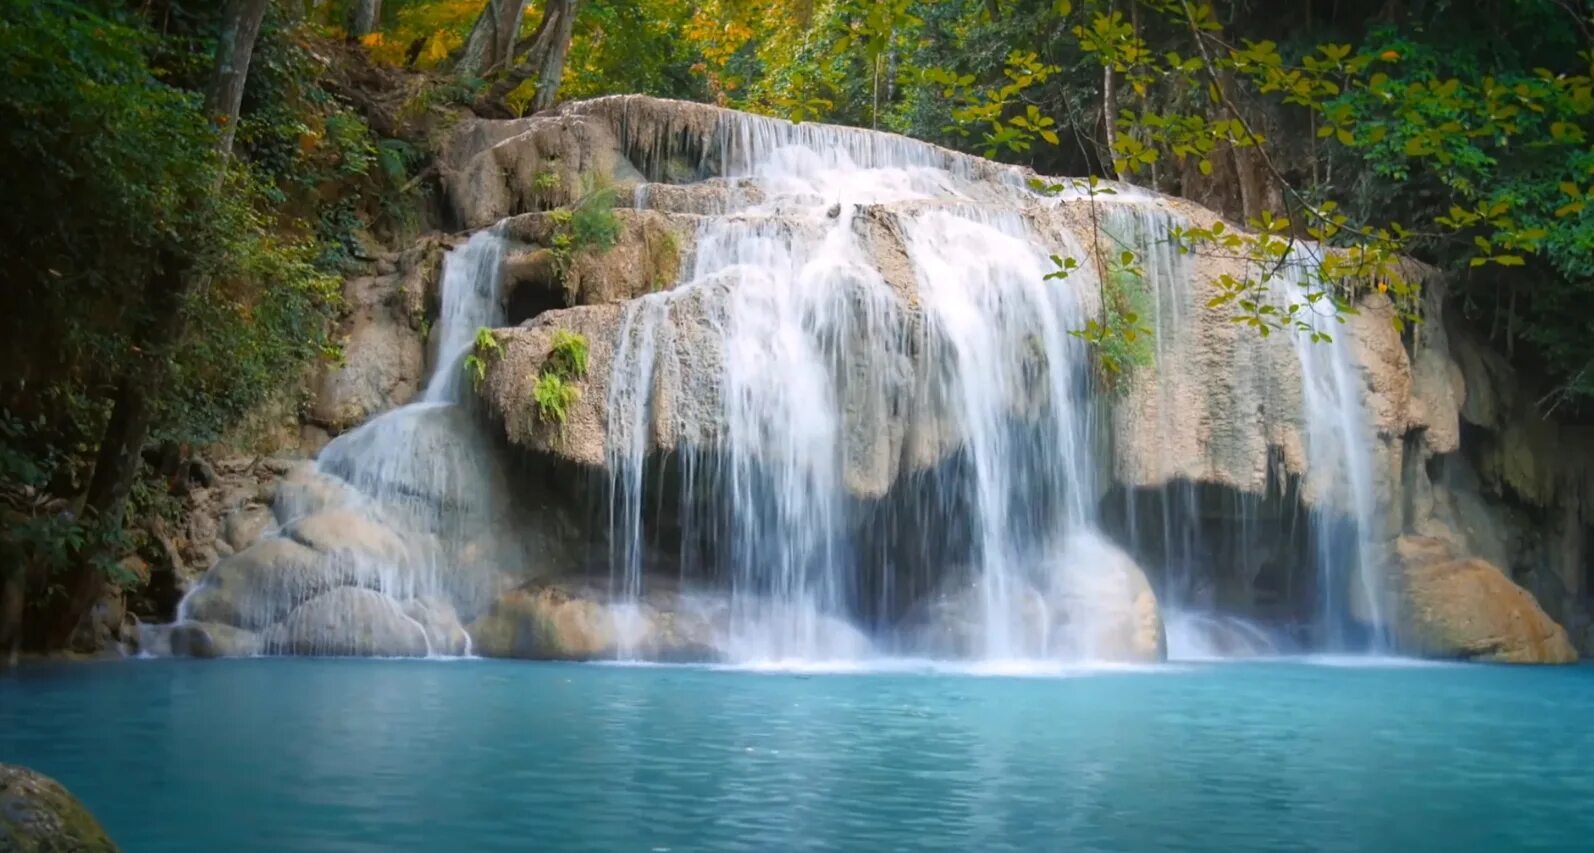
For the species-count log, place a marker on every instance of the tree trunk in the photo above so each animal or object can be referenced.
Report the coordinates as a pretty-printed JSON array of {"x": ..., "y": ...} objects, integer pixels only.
[
  {"x": 367, "y": 14},
  {"x": 545, "y": 60},
  {"x": 140, "y": 385},
  {"x": 235, "y": 47},
  {"x": 492, "y": 39},
  {"x": 1109, "y": 117},
  {"x": 158, "y": 334},
  {"x": 552, "y": 68},
  {"x": 13, "y": 590}
]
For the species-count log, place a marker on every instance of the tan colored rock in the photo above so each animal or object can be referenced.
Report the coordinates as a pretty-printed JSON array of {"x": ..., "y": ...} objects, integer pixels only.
[
  {"x": 259, "y": 585},
  {"x": 348, "y": 531},
  {"x": 384, "y": 358},
  {"x": 305, "y": 490},
  {"x": 349, "y": 622},
  {"x": 1468, "y": 609},
  {"x": 39, "y": 815},
  {"x": 211, "y": 640},
  {"x": 241, "y": 527},
  {"x": 576, "y": 620},
  {"x": 444, "y": 635},
  {"x": 649, "y": 254}
]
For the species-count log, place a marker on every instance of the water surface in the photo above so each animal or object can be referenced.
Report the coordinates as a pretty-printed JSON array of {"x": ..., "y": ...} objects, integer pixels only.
[{"x": 300, "y": 754}]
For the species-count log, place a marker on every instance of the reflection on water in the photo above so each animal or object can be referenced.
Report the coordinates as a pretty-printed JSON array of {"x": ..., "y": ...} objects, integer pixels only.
[{"x": 389, "y": 755}]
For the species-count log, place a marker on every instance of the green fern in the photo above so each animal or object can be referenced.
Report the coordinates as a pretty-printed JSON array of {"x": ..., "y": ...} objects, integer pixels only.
[
  {"x": 567, "y": 357},
  {"x": 554, "y": 397},
  {"x": 476, "y": 361}
]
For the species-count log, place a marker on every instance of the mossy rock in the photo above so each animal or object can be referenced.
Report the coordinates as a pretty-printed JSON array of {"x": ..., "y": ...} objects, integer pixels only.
[{"x": 39, "y": 815}]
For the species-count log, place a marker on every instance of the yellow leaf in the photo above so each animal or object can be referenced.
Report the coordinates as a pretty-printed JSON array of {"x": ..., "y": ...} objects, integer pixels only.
[{"x": 436, "y": 49}]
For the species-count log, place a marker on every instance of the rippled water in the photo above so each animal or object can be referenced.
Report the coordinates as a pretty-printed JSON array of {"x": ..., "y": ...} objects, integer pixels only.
[{"x": 475, "y": 755}]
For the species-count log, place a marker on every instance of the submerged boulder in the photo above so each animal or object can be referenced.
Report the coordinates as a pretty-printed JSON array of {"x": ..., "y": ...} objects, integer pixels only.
[
  {"x": 1467, "y": 609},
  {"x": 39, "y": 815}
]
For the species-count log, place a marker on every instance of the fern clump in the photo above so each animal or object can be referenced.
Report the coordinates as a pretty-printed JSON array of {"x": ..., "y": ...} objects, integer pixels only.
[
  {"x": 567, "y": 356},
  {"x": 588, "y": 226},
  {"x": 486, "y": 346},
  {"x": 555, "y": 389},
  {"x": 554, "y": 396}
]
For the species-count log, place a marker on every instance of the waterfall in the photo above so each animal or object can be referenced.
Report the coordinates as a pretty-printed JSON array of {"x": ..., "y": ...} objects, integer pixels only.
[
  {"x": 861, "y": 422},
  {"x": 815, "y": 344},
  {"x": 1338, "y": 444},
  {"x": 998, "y": 339},
  {"x": 1343, "y": 514},
  {"x": 409, "y": 506}
]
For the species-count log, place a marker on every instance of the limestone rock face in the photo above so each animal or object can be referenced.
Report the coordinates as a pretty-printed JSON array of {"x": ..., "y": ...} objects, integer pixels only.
[
  {"x": 384, "y": 353},
  {"x": 39, "y": 815},
  {"x": 1468, "y": 609},
  {"x": 881, "y": 383},
  {"x": 650, "y": 251}
]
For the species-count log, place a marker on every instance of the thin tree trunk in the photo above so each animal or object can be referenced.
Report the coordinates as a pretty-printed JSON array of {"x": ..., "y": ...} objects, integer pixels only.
[
  {"x": 235, "y": 47},
  {"x": 545, "y": 60},
  {"x": 491, "y": 42},
  {"x": 13, "y": 591},
  {"x": 156, "y": 338},
  {"x": 143, "y": 379},
  {"x": 367, "y": 14},
  {"x": 552, "y": 70},
  {"x": 1109, "y": 116}
]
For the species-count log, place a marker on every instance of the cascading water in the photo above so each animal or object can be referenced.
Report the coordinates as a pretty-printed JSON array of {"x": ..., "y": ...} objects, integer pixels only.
[
  {"x": 813, "y": 338},
  {"x": 998, "y": 340},
  {"x": 1338, "y": 444},
  {"x": 859, "y": 423},
  {"x": 1343, "y": 506},
  {"x": 408, "y": 507},
  {"x": 810, "y": 332}
]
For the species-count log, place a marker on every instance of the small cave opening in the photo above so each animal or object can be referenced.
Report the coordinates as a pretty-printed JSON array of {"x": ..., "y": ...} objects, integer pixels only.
[{"x": 531, "y": 287}]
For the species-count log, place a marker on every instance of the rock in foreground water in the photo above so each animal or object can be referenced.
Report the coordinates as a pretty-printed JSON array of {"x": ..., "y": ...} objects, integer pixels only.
[{"x": 38, "y": 814}]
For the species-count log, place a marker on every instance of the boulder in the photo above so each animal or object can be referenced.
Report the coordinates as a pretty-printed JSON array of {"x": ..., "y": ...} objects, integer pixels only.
[
  {"x": 1467, "y": 609},
  {"x": 438, "y": 619},
  {"x": 39, "y": 815},
  {"x": 349, "y": 622},
  {"x": 259, "y": 585},
  {"x": 1087, "y": 601},
  {"x": 243, "y": 525},
  {"x": 348, "y": 532},
  {"x": 208, "y": 640},
  {"x": 648, "y": 256},
  {"x": 306, "y": 489},
  {"x": 578, "y": 620}
]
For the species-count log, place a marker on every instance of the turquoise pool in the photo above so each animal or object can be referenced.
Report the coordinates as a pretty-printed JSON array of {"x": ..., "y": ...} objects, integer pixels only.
[{"x": 299, "y": 754}]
